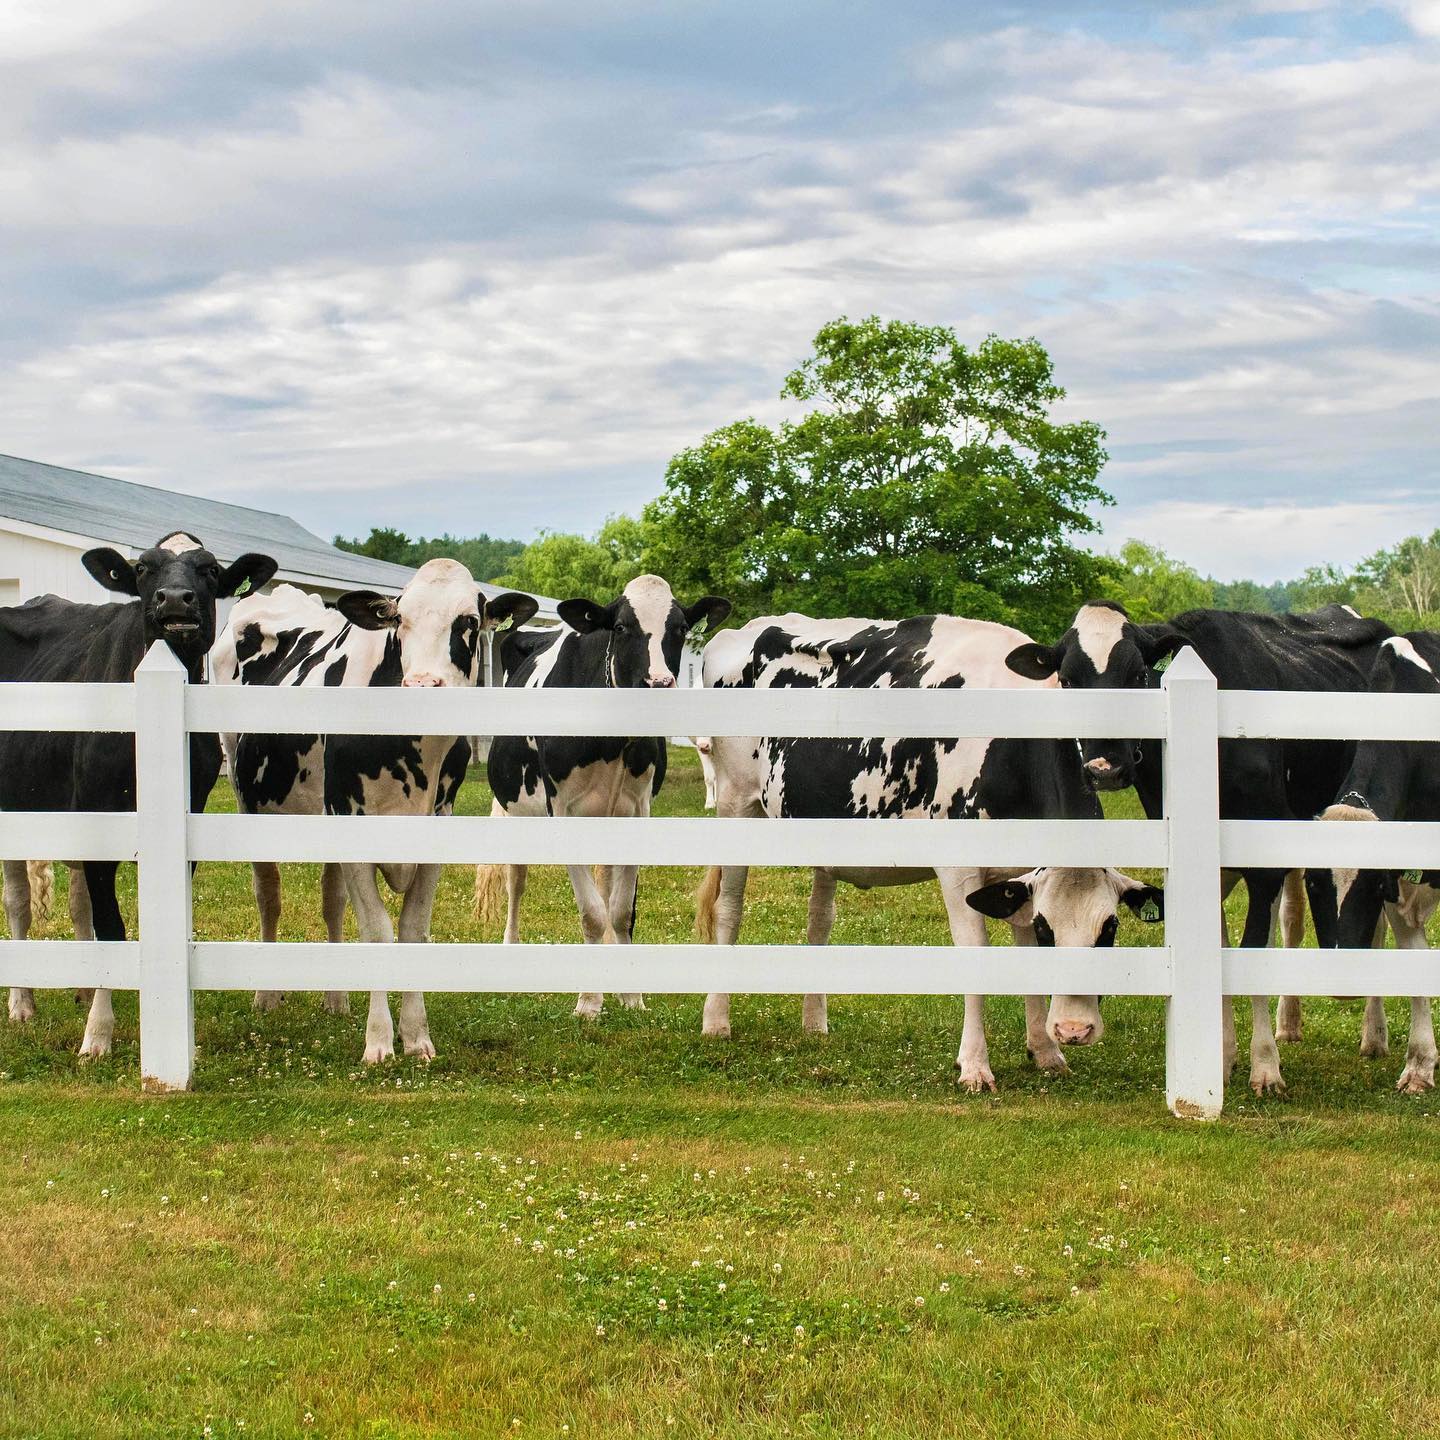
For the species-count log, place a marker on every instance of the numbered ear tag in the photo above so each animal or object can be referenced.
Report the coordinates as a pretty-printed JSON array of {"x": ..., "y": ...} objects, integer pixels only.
[
  {"x": 1415, "y": 877},
  {"x": 1163, "y": 665},
  {"x": 1150, "y": 912}
]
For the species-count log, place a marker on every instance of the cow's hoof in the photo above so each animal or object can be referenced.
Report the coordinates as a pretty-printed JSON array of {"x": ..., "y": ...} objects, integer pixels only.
[
  {"x": 1288, "y": 1035},
  {"x": 977, "y": 1078},
  {"x": 421, "y": 1049},
  {"x": 815, "y": 1027},
  {"x": 94, "y": 1047},
  {"x": 377, "y": 1052},
  {"x": 337, "y": 1002},
  {"x": 1267, "y": 1081},
  {"x": 267, "y": 1000},
  {"x": 1416, "y": 1080},
  {"x": 1052, "y": 1062},
  {"x": 716, "y": 1032},
  {"x": 22, "y": 1011},
  {"x": 587, "y": 1012},
  {"x": 1374, "y": 1049},
  {"x": 633, "y": 1002}
]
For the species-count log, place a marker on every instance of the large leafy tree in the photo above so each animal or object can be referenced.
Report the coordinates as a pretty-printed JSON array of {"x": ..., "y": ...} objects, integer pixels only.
[
  {"x": 482, "y": 555},
  {"x": 926, "y": 476},
  {"x": 566, "y": 566},
  {"x": 1152, "y": 586}
]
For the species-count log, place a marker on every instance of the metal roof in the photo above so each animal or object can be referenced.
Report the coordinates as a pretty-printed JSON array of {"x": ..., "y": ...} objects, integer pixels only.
[{"x": 122, "y": 513}]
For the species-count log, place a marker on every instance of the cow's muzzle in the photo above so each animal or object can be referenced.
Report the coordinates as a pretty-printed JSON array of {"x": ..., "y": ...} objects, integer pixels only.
[
  {"x": 422, "y": 682},
  {"x": 1103, "y": 774},
  {"x": 660, "y": 682}
]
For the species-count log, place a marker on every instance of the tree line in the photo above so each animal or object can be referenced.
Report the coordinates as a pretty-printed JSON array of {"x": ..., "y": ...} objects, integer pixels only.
[{"x": 924, "y": 476}]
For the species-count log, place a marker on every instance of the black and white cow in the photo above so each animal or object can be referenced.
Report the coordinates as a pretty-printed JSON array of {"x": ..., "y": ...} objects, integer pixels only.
[
  {"x": 429, "y": 636},
  {"x": 915, "y": 779},
  {"x": 173, "y": 588},
  {"x": 1388, "y": 780},
  {"x": 635, "y": 642},
  {"x": 1332, "y": 649}
]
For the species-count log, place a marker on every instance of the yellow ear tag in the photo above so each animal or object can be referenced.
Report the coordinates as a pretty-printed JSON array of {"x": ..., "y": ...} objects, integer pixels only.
[
  {"x": 1149, "y": 912},
  {"x": 1414, "y": 876}
]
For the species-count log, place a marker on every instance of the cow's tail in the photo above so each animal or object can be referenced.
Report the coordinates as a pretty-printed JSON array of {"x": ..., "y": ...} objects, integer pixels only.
[
  {"x": 705, "y": 898},
  {"x": 41, "y": 874},
  {"x": 489, "y": 893}
]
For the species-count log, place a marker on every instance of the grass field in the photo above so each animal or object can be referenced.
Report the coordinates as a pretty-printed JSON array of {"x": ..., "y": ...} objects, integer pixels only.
[{"x": 622, "y": 1229}]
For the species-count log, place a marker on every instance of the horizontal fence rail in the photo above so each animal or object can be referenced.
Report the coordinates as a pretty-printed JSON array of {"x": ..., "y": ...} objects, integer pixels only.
[{"x": 1192, "y": 970}]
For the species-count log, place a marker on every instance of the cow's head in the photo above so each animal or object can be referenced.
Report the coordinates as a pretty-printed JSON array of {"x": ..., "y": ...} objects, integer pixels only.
[
  {"x": 177, "y": 582},
  {"x": 435, "y": 622},
  {"x": 1102, "y": 650},
  {"x": 1070, "y": 907},
  {"x": 647, "y": 628},
  {"x": 1383, "y": 780}
]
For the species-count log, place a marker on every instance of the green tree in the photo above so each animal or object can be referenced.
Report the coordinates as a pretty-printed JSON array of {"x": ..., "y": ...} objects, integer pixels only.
[
  {"x": 1152, "y": 586},
  {"x": 483, "y": 556},
  {"x": 927, "y": 476},
  {"x": 1404, "y": 580},
  {"x": 565, "y": 566},
  {"x": 382, "y": 543}
]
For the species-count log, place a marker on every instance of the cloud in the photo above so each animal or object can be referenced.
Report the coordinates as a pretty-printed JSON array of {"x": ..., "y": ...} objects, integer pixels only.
[{"x": 498, "y": 270}]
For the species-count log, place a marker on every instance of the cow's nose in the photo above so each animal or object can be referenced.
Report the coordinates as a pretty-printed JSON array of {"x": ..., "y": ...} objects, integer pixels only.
[
  {"x": 1099, "y": 766},
  {"x": 661, "y": 682},
  {"x": 1074, "y": 1032},
  {"x": 420, "y": 682},
  {"x": 180, "y": 597}
]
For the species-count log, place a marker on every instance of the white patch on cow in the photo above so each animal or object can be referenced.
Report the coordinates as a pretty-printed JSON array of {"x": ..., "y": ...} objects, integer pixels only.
[
  {"x": 1098, "y": 629},
  {"x": 652, "y": 600},
  {"x": 1401, "y": 647},
  {"x": 441, "y": 592},
  {"x": 1343, "y": 879},
  {"x": 179, "y": 543}
]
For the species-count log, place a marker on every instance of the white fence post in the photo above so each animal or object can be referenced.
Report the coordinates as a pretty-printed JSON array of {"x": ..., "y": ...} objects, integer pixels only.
[
  {"x": 1194, "y": 1063},
  {"x": 162, "y": 803}
]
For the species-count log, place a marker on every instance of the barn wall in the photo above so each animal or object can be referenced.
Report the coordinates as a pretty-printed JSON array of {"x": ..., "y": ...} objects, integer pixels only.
[{"x": 30, "y": 566}]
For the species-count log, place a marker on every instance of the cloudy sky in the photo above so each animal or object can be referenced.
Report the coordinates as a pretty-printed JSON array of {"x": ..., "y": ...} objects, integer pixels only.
[{"x": 466, "y": 266}]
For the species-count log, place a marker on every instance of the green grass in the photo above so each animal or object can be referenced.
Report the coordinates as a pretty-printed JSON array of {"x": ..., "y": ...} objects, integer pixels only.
[{"x": 845, "y": 1243}]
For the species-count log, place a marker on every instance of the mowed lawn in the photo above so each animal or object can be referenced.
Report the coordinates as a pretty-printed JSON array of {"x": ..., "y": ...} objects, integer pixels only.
[{"x": 623, "y": 1229}]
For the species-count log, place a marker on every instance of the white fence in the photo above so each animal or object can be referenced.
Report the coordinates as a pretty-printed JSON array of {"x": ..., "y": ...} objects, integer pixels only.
[{"x": 167, "y": 964}]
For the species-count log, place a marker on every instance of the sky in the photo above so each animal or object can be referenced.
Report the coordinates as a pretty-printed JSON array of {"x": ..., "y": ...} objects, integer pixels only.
[{"x": 456, "y": 265}]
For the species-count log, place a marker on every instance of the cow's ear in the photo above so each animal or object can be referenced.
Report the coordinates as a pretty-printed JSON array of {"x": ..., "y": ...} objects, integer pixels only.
[
  {"x": 367, "y": 610},
  {"x": 247, "y": 574},
  {"x": 1147, "y": 901},
  {"x": 710, "y": 611},
  {"x": 1157, "y": 643},
  {"x": 583, "y": 615},
  {"x": 511, "y": 606},
  {"x": 1034, "y": 662},
  {"x": 112, "y": 570},
  {"x": 1001, "y": 900}
]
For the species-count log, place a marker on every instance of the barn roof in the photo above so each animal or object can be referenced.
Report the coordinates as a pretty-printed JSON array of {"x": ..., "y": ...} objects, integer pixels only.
[{"x": 122, "y": 513}]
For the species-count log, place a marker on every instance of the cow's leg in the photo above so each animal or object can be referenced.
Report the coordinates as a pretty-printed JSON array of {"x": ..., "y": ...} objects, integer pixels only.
[
  {"x": 727, "y": 910},
  {"x": 1040, "y": 1044},
  {"x": 82, "y": 920},
  {"x": 1418, "y": 1075},
  {"x": 265, "y": 882},
  {"x": 373, "y": 922},
  {"x": 18, "y": 913},
  {"x": 968, "y": 928},
  {"x": 1375, "y": 1029},
  {"x": 415, "y": 912},
  {"x": 515, "y": 878},
  {"x": 1292, "y": 936},
  {"x": 820, "y": 921},
  {"x": 332, "y": 906},
  {"x": 109, "y": 924},
  {"x": 593, "y": 918},
  {"x": 623, "y": 881},
  {"x": 1229, "y": 879},
  {"x": 1263, "y": 887}
]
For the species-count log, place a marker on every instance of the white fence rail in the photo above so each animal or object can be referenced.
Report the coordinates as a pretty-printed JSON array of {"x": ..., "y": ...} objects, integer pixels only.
[{"x": 167, "y": 964}]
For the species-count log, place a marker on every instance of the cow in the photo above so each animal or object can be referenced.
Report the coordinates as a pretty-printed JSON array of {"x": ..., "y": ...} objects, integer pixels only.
[
  {"x": 427, "y": 637},
  {"x": 171, "y": 591},
  {"x": 1388, "y": 780},
  {"x": 1332, "y": 649},
  {"x": 914, "y": 779},
  {"x": 635, "y": 642}
]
